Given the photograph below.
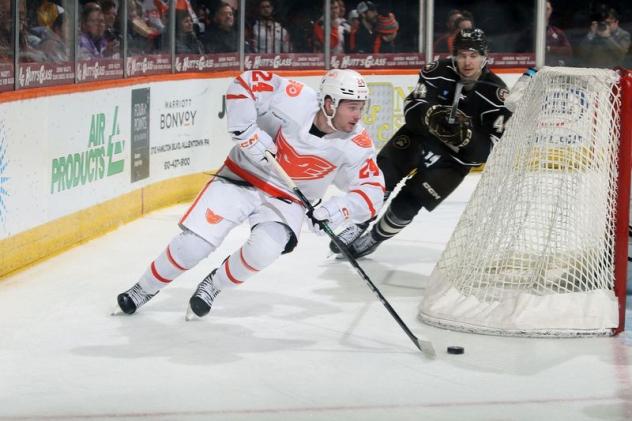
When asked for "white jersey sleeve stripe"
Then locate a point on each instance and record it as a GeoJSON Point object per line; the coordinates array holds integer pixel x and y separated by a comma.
{"type": "Point", "coordinates": [364, 196]}
{"type": "Point", "coordinates": [245, 86]}
{"type": "Point", "coordinates": [378, 185]}
{"type": "Point", "coordinates": [233, 96]}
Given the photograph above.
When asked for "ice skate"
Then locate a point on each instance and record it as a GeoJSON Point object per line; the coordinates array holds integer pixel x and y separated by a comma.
{"type": "Point", "coordinates": [348, 236]}
{"type": "Point", "coordinates": [130, 300]}
{"type": "Point", "coordinates": [202, 300]}
{"type": "Point", "coordinates": [364, 245]}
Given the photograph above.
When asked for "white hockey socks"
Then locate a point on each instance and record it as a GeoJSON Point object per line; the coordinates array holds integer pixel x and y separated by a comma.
{"type": "Point", "coordinates": [183, 252]}
{"type": "Point", "coordinates": [266, 243]}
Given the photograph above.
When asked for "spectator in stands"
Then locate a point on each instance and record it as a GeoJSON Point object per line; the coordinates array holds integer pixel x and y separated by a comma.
{"type": "Point", "coordinates": [92, 42]}
{"type": "Point", "coordinates": [28, 52]}
{"type": "Point", "coordinates": [300, 25]}
{"type": "Point", "coordinates": [457, 20]}
{"type": "Point", "coordinates": [185, 5]}
{"type": "Point", "coordinates": [442, 41]}
{"type": "Point", "coordinates": [558, 48]}
{"type": "Point", "coordinates": [46, 13]}
{"type": "Point", "coordinates": [186, 40]}
{"type": "Point", "coordinates": [336, 40]}
{"type": "Point", "coordinates": [222, 36]}
{"type": "Point", "coordinates": [268, 35]}
{"type": "Point", "coordinates": [365, 37]}
{"type": "Point", "coordinates": [342, 11]}
{"type": "Point", "coordinates": [112, 33]}
{"type": "Point", "coordinates": [606, 44]}
{"type": "Point", "coordinates": [342, 20]}
{"type": "Point", "coordinates": [453, 16]}
{"type": "Point", "coordinates": [386, 29]}
{"type": "Point", "coordinates": [54, 40]}
{"type": "Point", "coordinates": [204, 17]}
{"type": "Point", "coordinates": [140, 36]}
{"type": "Point", "coordinates": [351, 35]}
{"type": "Point", "coordinates": [155, 13]}
{"type": "Point", "coordinates": [465, 22]}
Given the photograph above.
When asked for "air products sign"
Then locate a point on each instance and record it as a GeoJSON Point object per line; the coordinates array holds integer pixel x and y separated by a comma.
{"type": "Point", "coordinates": [102, 156]}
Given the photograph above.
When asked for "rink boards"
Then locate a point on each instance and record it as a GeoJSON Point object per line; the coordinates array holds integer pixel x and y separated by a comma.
{"type": "Point", "coordinates": [76, 164]}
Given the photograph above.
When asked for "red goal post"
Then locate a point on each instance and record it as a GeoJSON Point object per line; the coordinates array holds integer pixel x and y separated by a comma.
{"type": "Point", "coordinates": [623, 202]}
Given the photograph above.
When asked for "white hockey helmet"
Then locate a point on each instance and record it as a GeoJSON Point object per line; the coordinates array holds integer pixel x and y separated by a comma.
{"type": "Point", "coordinates": [339, 84]}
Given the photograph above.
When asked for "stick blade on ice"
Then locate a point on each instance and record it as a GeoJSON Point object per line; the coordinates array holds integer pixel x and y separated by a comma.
{"type": "Point", "coordinates": [426, 347]}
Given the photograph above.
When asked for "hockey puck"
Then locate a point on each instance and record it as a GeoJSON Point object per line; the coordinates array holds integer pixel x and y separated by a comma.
{"type": "Point", "coordinates": [456, 350]}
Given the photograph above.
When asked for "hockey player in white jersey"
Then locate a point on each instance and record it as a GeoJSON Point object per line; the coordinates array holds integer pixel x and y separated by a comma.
{"type": "Point", "coordinates": [317, 139]}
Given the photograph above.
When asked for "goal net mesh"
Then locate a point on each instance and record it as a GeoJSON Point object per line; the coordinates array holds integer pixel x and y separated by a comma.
{"type": "Point", "coordinates": [533, 252]}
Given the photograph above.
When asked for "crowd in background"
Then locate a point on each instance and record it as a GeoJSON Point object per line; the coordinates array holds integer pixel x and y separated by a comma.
{"type": "Point", "coordinates": [593, 35]}
{"type": "Point", "coordinates": [587, 34]}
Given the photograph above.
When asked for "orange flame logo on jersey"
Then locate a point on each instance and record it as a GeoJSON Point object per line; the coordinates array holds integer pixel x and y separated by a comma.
{"type": "Point", "coordinates": [293, 88]}
{"type": "Point", "coordinates": [300, 167]}
{"type": "Point", "coordinates": [363, 139]}
{"type": "Point", "coordinates": [213, 218]}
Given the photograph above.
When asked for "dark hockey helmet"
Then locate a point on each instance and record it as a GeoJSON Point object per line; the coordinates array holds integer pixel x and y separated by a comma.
{"type": "Point", "coordinates": [470, 39]}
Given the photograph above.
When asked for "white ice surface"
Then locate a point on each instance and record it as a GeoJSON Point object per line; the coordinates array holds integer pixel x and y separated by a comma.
{"type": "Point", "coordinates": [303, 340]}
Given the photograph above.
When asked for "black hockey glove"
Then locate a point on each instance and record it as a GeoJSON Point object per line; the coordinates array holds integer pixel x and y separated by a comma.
{"type": "Point", "coordinates": [455, 135]}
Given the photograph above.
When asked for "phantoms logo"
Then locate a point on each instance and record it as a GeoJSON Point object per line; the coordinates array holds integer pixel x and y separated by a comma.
{"type": "Point", "coordinates": [103, 156]}
{"type": "Point", "coordinates": [3, 170]}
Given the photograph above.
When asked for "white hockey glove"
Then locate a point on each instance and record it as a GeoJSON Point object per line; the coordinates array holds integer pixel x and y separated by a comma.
{"type": "Point", "coordinates": [256, 145]}
{"type": "Point", "coordinates": [332, 211]}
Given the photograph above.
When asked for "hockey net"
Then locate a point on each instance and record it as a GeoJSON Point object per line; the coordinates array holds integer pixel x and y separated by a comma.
{"type": "Point", "coordinates": [541, 248]}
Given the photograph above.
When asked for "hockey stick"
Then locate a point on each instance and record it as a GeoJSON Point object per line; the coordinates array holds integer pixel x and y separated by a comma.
{"type": "Point", "coordinates": [457, 95]}
{"type": "Point", "coordinates": [423, 345]}
{"type": "Point", "coordinates": [455, 103]}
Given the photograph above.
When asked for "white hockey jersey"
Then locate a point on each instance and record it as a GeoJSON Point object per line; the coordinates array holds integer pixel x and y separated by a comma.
{"type": "Point", "coordinates": [285, 110]}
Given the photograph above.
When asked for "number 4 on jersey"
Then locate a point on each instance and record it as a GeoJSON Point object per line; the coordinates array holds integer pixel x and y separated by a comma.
{"type": "Point", "coordinates": [369, 169]}
{"type": "Point", "coordinates": [499, 124]}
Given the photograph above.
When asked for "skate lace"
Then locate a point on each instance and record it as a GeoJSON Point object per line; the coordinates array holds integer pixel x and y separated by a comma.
{"type": "Point", "coordinates": [349, 234]}
{"type": "Point", "coordinates": [207, 291]}
{"type": "Point", "coordinates": [138, 295]}
{"type": "Point", "coordinates": [363, 243]}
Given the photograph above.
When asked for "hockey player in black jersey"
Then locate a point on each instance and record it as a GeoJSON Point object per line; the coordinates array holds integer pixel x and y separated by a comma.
{"type": "Point", "coordinates": [453, 118]}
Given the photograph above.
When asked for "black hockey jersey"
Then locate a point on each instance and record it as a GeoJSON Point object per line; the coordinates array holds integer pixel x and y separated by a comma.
{"type": "Point", "coordinates": [483, 101]}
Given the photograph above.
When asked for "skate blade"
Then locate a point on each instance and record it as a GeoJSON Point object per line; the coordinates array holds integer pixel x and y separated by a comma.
{"type": "Point", "coordinates": [117, 312]}
{"type": "Point", "coordinates": [191, 315]}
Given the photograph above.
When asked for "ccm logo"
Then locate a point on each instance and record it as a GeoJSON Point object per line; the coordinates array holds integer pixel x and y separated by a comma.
{"type": "Point", "coordinates": [430, 190]}
{"type": "Point", "coordinates": [249, 142]}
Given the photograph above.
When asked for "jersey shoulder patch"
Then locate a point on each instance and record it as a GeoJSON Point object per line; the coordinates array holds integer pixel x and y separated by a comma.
{"type": "Point", "coordinates": [293, 88]}
{"type": "Point", "coordinates": [502, 93]}
{"type": "Point", "coordinates": [430, 67]}
{"type": "Point", "coordinates": [438, 68]}
{"type": "Point", "coordinates": [363, 139]}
